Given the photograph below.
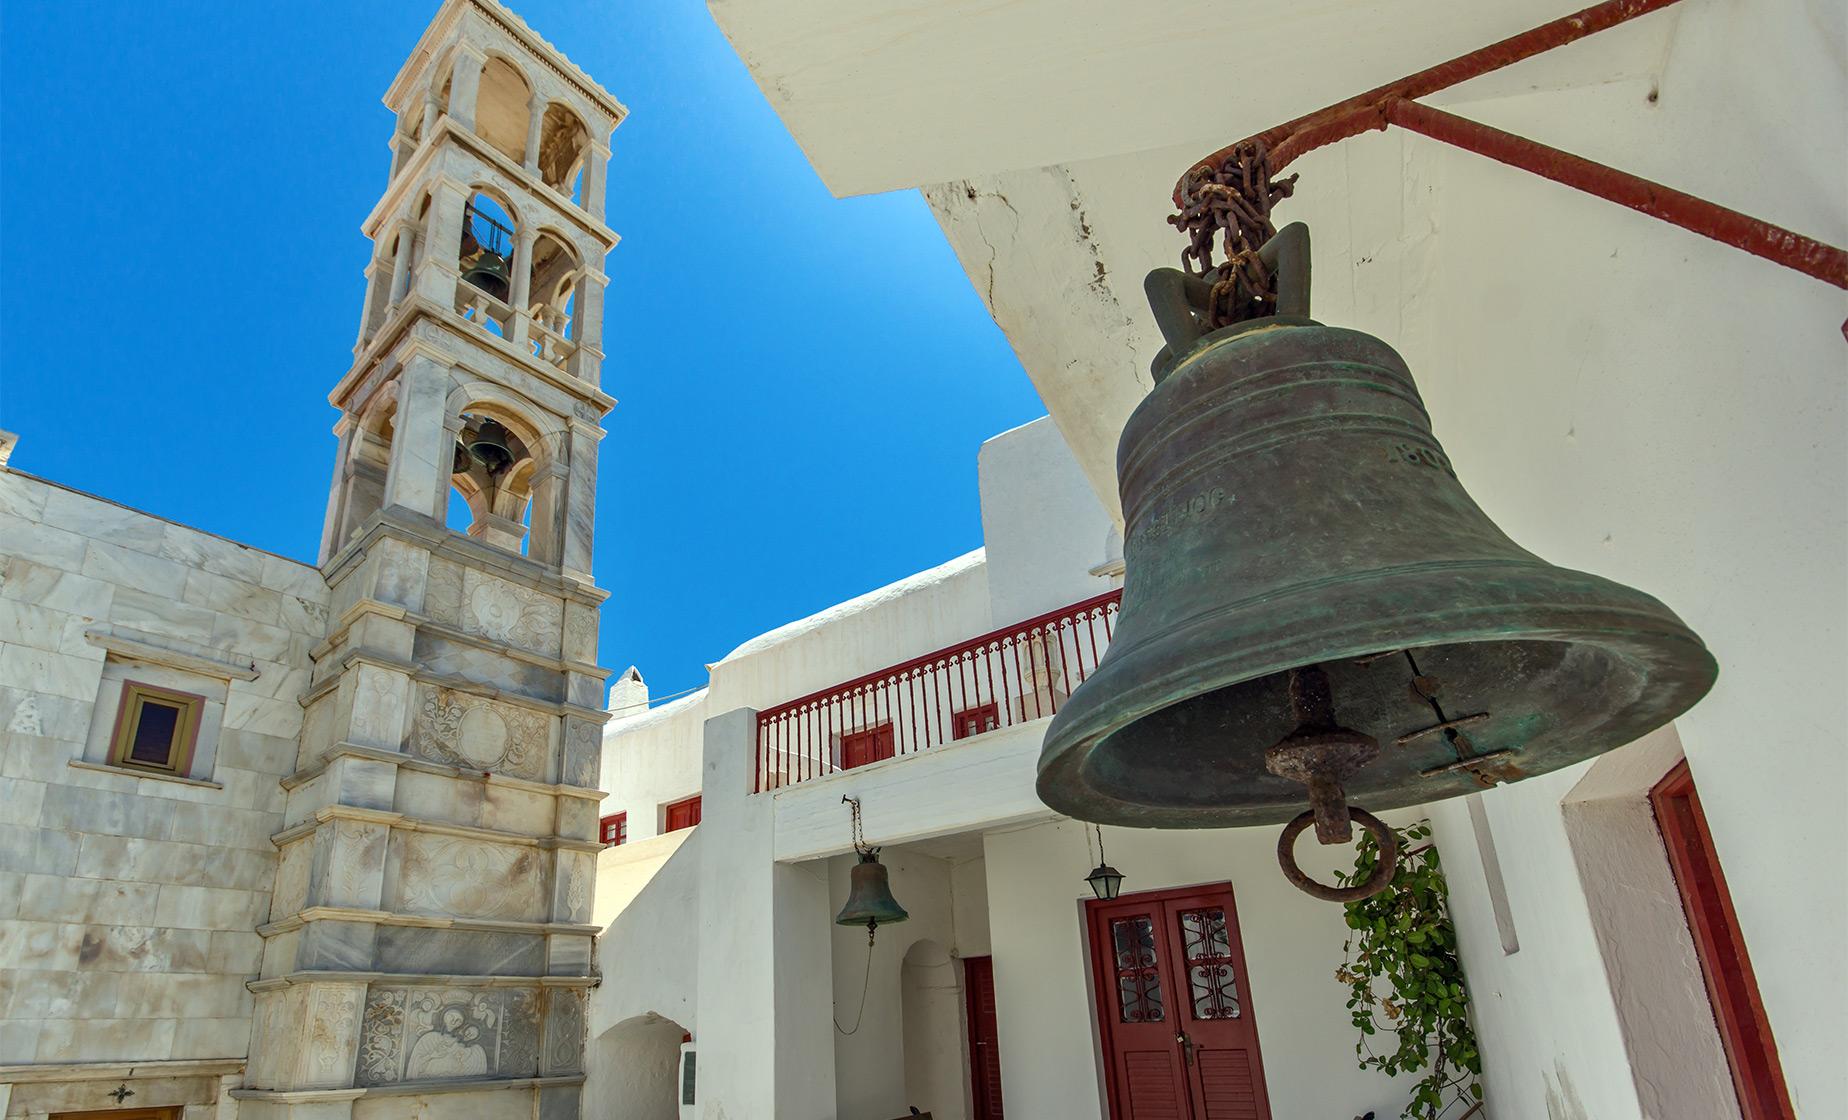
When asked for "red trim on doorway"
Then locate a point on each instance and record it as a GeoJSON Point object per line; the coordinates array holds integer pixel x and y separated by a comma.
{"type": "Point", "coordinates": [984, 1037]}
{"type": "Point", "coordinates": [1224, 1080]}
{"type": "Point", "coordinates": [1738, 1011]}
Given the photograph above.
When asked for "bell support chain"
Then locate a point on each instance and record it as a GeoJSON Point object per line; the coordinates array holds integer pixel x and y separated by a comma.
{"type": "Point", "coordinates": [1395, 104]}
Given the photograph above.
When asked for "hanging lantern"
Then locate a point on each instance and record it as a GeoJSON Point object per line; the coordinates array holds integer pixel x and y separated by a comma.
{"type": "Point", "coordinates": [1298, 548]}
{"type": "Point", "coordinates": [1105, 880]}
{"type": "Point", "coordinates": [869, 894]}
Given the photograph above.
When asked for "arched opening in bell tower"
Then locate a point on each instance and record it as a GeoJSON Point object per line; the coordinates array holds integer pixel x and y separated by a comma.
{"type": "Point", "coordinates": [552, 297]}
{"type": "Point", "coordinates": [503, 108]}
{"type": "Point", "coordinates": [505, 488]}
{"type": "Point", "coordinates": [563, 143]}
{"type": "Point", "coordinates": [485, 259]}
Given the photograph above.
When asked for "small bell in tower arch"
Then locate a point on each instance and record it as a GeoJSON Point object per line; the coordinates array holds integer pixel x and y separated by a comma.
{"type": "Point", "coordinates": [491, 273]}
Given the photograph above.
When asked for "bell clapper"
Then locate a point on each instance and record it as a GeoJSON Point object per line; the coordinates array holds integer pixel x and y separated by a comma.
{"type": "Point", "coordinates": [1322, 754]}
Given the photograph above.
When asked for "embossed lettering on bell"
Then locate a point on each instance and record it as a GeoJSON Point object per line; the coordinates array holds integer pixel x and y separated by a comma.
{"type": "Point", "coordinates": [1286, 505]}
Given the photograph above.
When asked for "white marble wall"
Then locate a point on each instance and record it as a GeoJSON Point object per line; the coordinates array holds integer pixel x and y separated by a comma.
{"type": "Point", "coordinates": [129, 903]}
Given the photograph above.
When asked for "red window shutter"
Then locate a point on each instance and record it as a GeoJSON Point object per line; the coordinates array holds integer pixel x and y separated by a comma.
{"type": "Point", "coordinates": [613, 829]}
{"type": "Point", "coordinates": [1745, 1031]}
{"type": "Point", "coordinates": [683, 814]}
{"type": "Point", "coordinates": [975, 721]}
{"type": "Point", "coordinates": [859, 748]}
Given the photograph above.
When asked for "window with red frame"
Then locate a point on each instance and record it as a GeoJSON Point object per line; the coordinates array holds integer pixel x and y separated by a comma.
{"type": "Point", "coordinates": [973, 721]}
{"type": "Point", "coordinates": [1738, 1011]}
{"type": "Point", "coordinates": [859, 748]}
{"type": "Point", "coordinates": [682, 814]}
{"type": "Point", "coordinates": [614, 829]}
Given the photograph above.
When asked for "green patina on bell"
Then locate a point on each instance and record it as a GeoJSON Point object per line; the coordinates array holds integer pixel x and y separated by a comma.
{"type": "Point", "coordinates": [869, 896]}
{"type": "Point", "coordinates": [1286, 506]}
{"type": "Point", "coordinates": [491, 273]}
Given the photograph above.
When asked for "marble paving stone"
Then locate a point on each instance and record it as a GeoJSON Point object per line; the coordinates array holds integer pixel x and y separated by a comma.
{"type": "Point", "coordinates": [21, 580]}
{"type": "Point", "coordinates": [301, 580]}
{"type": "Point", "coordinates": [53, 673]}
{"type": "Point", "coordinates": [197, 550]}
{"type": "Point", "coordinates": [88, 517]}
{"type": "Point", "coordinates": [59, 898]}
{"type": "Point", "coordinates": [134, 570]}
{"type": "Point", "coordinates": [74, 809]}
{"type": "Point", "coordinates": [73, 1040]}
{"type": "Point", "coordinates": [42, 544]}
{"type": "Point", "coordinates": [41, 850]}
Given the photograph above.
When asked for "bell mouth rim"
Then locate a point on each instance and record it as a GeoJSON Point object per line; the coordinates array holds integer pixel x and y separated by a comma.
{"type": "Point", "coordinates": [1656, 638]}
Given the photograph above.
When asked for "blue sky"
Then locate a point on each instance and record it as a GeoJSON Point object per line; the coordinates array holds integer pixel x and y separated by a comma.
{"type": "Point", "coordinates": [804, 381]}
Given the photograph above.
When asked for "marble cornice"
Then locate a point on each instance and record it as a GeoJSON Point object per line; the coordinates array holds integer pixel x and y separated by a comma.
{"type": "Point", "coordinates": [410, 762]}
{"type": "Point", "coordinates": [307, 1096]}
{"type": "Point", "coordinates": [402, 822]}
{"type": "Point", "coordinates": [423, 921]}
{"type": "Point", "coordinates": [414, 308]}
{"type": "Point", "coordinates": [119, 1071]}
{"type": "Point", "coordinates": [416, 979]}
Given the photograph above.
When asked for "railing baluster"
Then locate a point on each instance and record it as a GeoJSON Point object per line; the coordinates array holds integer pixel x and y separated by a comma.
{"type": "Point", "coordinates": [796, 740]}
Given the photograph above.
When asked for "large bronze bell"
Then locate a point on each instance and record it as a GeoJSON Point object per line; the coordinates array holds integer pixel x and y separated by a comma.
{"type": "Point", "coordinates": [1313, 603]}
{"type": "Point", "coordinates": [491, 273]}
{"type": "Point", "coordinates": [869, 896]}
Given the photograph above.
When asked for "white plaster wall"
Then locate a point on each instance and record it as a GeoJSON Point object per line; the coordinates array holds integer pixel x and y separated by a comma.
{"type": "Point", "coordinates": [1048, 1026]}
{"type": "Point", "coordinates": [875, 1072]}
{"type": "Point", "coordinates": [1042, 525]}
{"type": "Point", "coordinates": [648, 901]}
{"type": "Point", "coordinates": [1622, 397]}
{"type": "Point", "coordinates": [129, 904]}
{"type": "Point", "coordinates": [651, 760]}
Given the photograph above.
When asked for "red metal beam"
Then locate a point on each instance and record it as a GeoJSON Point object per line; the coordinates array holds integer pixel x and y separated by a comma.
{"type": "Point", "coordinates": [1762, 239]}
{"type": "Point", "coordinates": [1393, 104]}
{"type": "Point", "coordinates": [1365, 111]}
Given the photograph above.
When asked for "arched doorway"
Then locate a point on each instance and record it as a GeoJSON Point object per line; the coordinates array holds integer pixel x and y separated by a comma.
{"type": "Point", "coordinates": [936, 1049]}
{"type": "Point", "coordinates": [635, 1064]}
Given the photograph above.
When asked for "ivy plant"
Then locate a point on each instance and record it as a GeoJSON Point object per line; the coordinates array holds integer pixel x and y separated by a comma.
{"type": "Point", "coordinates": [1405, 980]}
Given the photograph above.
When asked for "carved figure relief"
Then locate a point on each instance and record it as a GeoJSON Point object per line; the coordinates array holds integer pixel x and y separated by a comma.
{"type": "Point", "coordinates": [438, 1034]}
{"type": "Point", "coordinates": [476, 733]}
{"type": "Point", "coordinates": [506, 612]}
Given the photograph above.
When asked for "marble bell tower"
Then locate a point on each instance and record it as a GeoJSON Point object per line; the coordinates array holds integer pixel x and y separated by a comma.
{"type": "Point", "coordinates": [429, 947]}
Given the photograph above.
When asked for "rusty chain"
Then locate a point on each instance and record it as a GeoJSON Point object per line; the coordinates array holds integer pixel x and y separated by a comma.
{"type": "Point", "coordinates": [1232, 203]}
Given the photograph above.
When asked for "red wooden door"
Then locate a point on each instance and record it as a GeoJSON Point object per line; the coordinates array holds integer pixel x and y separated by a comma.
{"type": "Point", "coordinates": [861, 747]}
{"type": "Point", "coordinates": [984, 1041]}
{"type": "Point", "coordinates": [1180, 1042]}
{"type": "Point", "coordinates": [1738, 1011]}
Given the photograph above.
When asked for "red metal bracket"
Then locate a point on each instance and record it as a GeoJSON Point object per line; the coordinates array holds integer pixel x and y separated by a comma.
{"type": "Point", "coordinates": [1394, 104]}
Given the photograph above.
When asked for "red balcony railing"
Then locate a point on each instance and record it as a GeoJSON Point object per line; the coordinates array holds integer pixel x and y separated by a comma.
{"type": "Point", "coordinates": [1007, 676]}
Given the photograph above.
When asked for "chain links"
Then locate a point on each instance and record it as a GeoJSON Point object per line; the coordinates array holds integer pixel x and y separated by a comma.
{"type": "Point", "coordinates": [1232, 203]}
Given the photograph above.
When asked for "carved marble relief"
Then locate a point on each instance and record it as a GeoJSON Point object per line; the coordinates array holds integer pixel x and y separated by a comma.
{"type": "Point", "coordinates": [442, 1034]}
{"type": "Point", "coordinates": [508, 613]}
{"type": "Point", "coordinates": [329, 1033]}
{"type": "Point", "coordinates": [564, 1049]}
{"type": "Point", "coordinates": [583, 753]}
{"type": "Point", "coordinates": [475, 733]}
{"type": "Point", "coordinates": [451, 876]}
{"type": "Point", "coordinates": [443, 591]}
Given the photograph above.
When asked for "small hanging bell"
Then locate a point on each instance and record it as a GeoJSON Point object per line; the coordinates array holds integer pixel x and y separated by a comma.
{"type": "Point", "coordinates": [489, 445]}
{"type": "Point", "coordinates": [869, 896]}
{"type": "Point", "coordinates": [491, 273]}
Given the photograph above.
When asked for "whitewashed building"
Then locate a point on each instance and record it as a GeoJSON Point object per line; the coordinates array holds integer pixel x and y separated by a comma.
{"type": "Point", "coordinates": [1621, 395]}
